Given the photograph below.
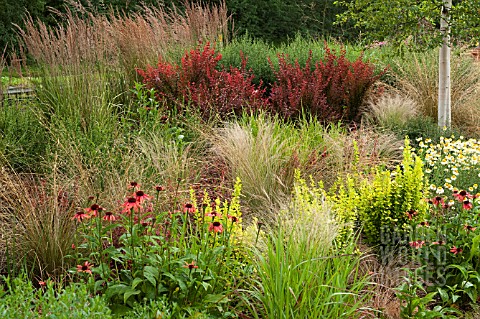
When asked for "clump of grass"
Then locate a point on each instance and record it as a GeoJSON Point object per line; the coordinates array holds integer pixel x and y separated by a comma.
{"type": "Point", "coordinates": [265, 152]}
{"type": "Point", "coordinates": [36, 215]}
{"type": "Point", "coordinates": [259, 157]}
{"type": "Point", "coordinates": [417, 75]}
{"type": "Point", "coordinates": [391, 110]}
{"type": "Point", "coordinates": [301, 274]}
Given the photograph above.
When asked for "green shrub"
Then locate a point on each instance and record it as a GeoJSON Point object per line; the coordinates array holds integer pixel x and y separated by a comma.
{"type": "Point", "coordinates": [20, 299]}
{"type": "Point", "coordinates": [420, 127]}
{"type": "Point", "coordinates": [386, 202]}
{"type": "Point", "coordinates": [258, 52]}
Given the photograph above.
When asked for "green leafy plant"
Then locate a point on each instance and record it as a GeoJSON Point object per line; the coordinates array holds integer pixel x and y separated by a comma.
{"type": "Point", "coordinates": [385, 201]}
{"type": "Point", "coordinates": [445, 242]}
{"type": "Point", "coordinates": [417, 302]}
{"type": "Point", "coordinates": [20, 299]}
{"type": "Point", "coordinates": [186, 258]}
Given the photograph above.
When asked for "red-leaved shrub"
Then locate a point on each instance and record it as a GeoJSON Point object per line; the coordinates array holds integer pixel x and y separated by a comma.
{"type": "Point", "coordinates": [332, 91]}
{"type": "Point", "coordinates": [198, 82]}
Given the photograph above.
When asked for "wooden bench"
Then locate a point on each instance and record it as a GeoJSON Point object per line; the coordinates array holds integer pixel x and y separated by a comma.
{"type": "Point", "coordinates": [16, 92]}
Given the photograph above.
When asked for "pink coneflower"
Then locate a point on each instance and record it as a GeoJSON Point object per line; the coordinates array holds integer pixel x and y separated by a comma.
{"type": "Point", "coordinates": [190, 265]}
{"type": "Point", "coordinates": [188, 208]}
{"type": "Point", "coordinates": [214, 215]}
{"type": "Point", "coordinates": [462, 195]}
{"type": "Point", "coordinates": [216, 227]}
{"type": "Point", "coordinates": [440, 242]}
{"type": "Point", "coordinates": [134, 185]}
{"type": "Point", "coordinates": [131, 203]}
{"type": "Point", "coordinates": [467, 205]}
{"type": "Point", "coordinates": [93, 210]}
{"type": "Point", "coordinates": [85, 267]}
{"type": "Point", "coordinates": [80, 216]}
{"type": "Point", "coordinates": [469, 228]}
{"type": "Point", "coordinates": [234, 219]}
{"type": "Point", "coordinates": [417, 244]}
{"type": "Point", "coordinates": [455, 250]}
{"type": "Point", "coordinates": [438, 200]}
{"type": "Point", "coordinates": [411, 213]}
{"type": "Point", "coordinates": [140, 196]}
{"type": "Point", "coordinates": [109, 216]}
{"type": "Point", "coordinates": [424, 224]}
{"type": "Point", "coordinates": [159, 188]}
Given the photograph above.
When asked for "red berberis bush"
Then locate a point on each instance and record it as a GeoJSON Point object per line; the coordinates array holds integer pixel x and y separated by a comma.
{"type": "Point", "coordinates": [333, 90]}
{"type": "Point", "coordinates": [209, 90]}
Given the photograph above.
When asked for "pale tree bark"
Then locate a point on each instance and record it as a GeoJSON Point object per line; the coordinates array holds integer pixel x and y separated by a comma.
{"type": "Point", "coordinates": [444, 94]}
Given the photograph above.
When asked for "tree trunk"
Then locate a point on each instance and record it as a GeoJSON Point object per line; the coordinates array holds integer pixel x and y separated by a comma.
{"type": "Point", "coordinates": [444, 95]}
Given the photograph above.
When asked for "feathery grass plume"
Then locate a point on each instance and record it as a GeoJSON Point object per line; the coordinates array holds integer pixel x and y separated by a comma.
{"type": "Point", "coordinates": [417, 75]}
{"type": "Point", "coordinates": [258, 155]}
{"type": "Point", "coordinates": [154, 32]}
{"type": "Point", "coordinates": [391, 110]}
{"type": "Point", "coordinates": [361, 150]}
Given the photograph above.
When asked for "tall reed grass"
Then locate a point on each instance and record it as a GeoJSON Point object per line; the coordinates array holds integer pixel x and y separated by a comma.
{"type": "Point", "coordinates": [124, 41]}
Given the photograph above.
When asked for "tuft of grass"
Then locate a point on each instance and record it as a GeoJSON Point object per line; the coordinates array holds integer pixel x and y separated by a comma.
{"type": "Point", "coordinates": [417, 76]}
{"type": "Point", "coordinates": [264, 152]}
{"type": "Point", "coordinates": [301, 274]}
{"type": "Point", "coordinates": [36, 215]}
{"type": "Point", "coordinates": [391, 110]}
{"type": "Point", "coordinates": [259, 157]}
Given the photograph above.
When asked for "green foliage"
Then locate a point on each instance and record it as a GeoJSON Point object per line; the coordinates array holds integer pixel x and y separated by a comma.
{"type": "Point", "coordinates": [184, 259]}
{"type": "Point", "coordinates": [446, 244]}
{"type": "Point", "coordinates": [384, 202]}
{"type": "Point", "coordinates": [419, 127]}
{"type": "Point", "coordinates": [345, 198]}
{"type": "Point", "coordinates": [412, 23]}
{"type": "Point", "coordinates": [13, 12]}
{"type": "Point", "coordinates": [417, 301]}
{"type": "Point", "coordinates": [258, 51]}
{"type": "Point", "coordinates": [275, 21]}
{"type": "Point", "coordinates": [20, 299]}
{"type": "Point", "coordinates": [23, 140]}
